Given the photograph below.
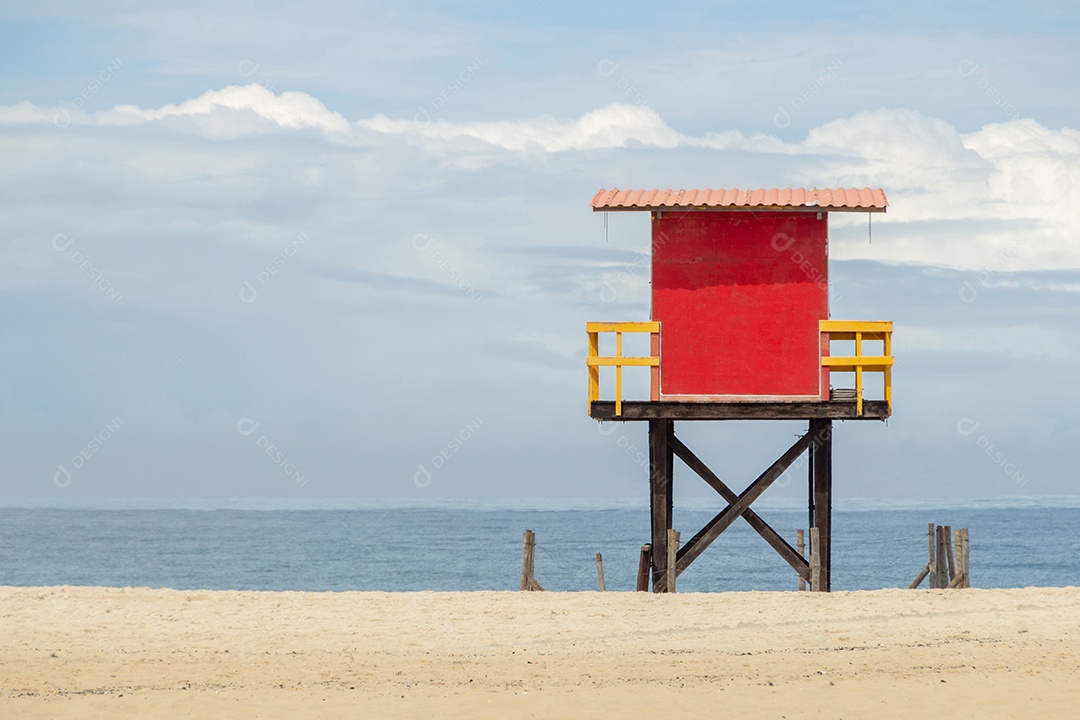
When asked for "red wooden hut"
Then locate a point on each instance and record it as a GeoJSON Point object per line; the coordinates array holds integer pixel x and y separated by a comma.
{"type": "Point", "coordinates": [740, 330]}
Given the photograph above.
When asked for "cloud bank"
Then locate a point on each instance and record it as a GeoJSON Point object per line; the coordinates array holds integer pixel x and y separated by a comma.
{"type": "Point", "coordinates": [997, 199]}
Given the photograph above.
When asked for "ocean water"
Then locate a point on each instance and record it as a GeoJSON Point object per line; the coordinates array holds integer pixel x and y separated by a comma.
{"type": "Point", "coordinates": [399, 548]}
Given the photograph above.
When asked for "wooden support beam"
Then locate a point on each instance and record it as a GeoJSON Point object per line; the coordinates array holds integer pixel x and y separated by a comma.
{"type": "Point", "coordinates": [692, 461]}
{"type": "Point", "coordinates": [820, 434]}
{"type": "Point", "coordinates": [697, 544]}
{"type": "Point", "coordinates": [600, 571]}
{"type": "Point", "coordinates": [810, 487]}
{"type": "Point", "coordinates": [660, 500]}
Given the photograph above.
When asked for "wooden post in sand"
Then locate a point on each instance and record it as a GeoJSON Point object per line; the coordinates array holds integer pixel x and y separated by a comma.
{"type": "Point", "coordinates": [950, 556]}
{"type": "Point", "coordinates": [932, 564]}
{"type": "Point", "coordinates": [928, 569]}
{"type": "Point", "coordinates": [800, 546]}
{"type": "Point", "coordinates": [817, 576]}
{"type": "Point", "coordinates": [949, 562]}
{"type": "Point", "coordinates": [965, 556]}
{"type": "Point", "coordinates": [644, 564]}
{"type": "Point", "coordinates": [961, 578]}
{"type": "Point", "coordinates": [942, 560]}
{"type": "Point", "coordinates": [919, 578]}
{"type": "Point", "coordinates": [672, 554]}
{"type": "Point", "coordinates": [600, 570]}
{"type": "Point", "coordinates": [967, 559]}
{"type": "Point", "coordinates": [935, 571]}
{"type": "Point", "coordinates": [528, 561]}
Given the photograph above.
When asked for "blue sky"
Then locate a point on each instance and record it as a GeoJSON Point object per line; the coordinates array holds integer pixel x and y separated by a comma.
{"type": "Point", "coordinates": [362, 234]}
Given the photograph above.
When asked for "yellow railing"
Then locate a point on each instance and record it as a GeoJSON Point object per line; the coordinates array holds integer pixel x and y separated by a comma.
{"type": "Point", "coordinates": [595, 360]}
{"type": "Point", "coordinates": [861, 331]}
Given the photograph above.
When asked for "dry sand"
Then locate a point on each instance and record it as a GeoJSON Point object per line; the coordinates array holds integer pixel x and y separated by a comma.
{"type": "Point", "coordinates": [117, 653]}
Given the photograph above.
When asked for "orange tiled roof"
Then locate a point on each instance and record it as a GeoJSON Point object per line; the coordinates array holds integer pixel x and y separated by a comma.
{"type": "Point", "coordinates": [831, 199]}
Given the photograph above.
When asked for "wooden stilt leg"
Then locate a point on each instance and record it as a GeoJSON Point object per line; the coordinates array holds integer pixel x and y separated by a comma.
{"type": "Point", "coordinates": [661, 463]}
{"type": "Point", "coordinates": [810, 486]}
{"type": "Point", "coordinates": [821, 431]}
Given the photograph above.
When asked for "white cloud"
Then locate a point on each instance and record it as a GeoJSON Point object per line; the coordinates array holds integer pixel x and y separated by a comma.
{"type": "Point", "coordinates": [289, 109]}
{"type": "Point", "coordinates": [999, 199]}
{"type": "Point", "coordinates": [617, 125]}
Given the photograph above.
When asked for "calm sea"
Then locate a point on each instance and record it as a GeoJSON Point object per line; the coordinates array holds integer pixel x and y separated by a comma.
{"type": "Point", "coordinates": [458, 548]}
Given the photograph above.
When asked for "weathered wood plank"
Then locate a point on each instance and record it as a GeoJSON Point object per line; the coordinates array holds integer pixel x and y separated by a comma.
{"type": "Point", "coordinates": [600, 571]}
{"type": "Point", "coordinates": [692, 461]}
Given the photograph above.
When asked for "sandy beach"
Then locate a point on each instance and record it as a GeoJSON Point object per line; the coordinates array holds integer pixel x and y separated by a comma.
{"type": "Point", "coordinates": [73, 652]}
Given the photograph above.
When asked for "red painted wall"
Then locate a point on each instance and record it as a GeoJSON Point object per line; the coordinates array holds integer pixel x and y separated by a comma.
{"type": "Point", "coordinates": [739, 296]}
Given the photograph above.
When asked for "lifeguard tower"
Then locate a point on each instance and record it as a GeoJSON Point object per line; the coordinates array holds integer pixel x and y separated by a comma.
{"type": "Point", "coordinates": [740, 330]}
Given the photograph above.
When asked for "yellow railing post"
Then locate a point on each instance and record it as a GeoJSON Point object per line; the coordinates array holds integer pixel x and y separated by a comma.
{"type": "Point", "coordinates": [618, 374]}
{"type": "Point", "coordinates": [858, 330]}
{"type": "Point", "coordinates": [618, 361]}
{"type": "Point", "coordinates": [654, 371]}
{"type": "Point", "coordinates": [888, 371]}
{"type": "Point", "coordinates": [594, 370]}
{"type": "Point", "coordinates": [858, 372]}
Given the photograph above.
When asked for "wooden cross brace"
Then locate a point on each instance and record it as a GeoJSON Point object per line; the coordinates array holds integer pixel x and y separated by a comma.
{"type": "Point", "coordinates": [739, 504]}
